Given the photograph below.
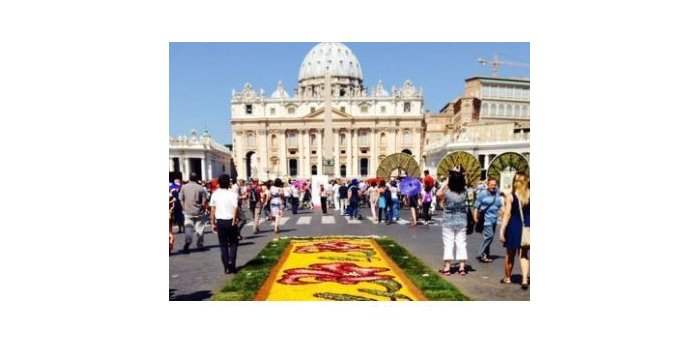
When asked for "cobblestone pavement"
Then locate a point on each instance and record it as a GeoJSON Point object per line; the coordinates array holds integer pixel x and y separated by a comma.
{"type": "Point", "coordinates": [199, 274]}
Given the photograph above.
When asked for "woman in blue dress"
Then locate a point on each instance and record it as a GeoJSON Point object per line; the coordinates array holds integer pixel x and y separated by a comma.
{"type": "Point", "coordinates": [516, 216]}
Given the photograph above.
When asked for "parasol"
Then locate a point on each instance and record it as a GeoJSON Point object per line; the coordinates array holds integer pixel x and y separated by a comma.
{"type": "Point", "coordinates": [409, 186]}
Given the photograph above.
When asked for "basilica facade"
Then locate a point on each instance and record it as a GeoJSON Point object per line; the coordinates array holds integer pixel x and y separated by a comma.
{"type": "Point", "coordinates": [283, 134]}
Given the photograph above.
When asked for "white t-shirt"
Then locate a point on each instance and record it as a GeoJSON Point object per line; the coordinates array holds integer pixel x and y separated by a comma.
{"type": "Point", "coordinates": [224, 201]}
{"type": "Point", "coordinates": [394, 192]}
{"type": "Point", "coordinates": [335, 190]}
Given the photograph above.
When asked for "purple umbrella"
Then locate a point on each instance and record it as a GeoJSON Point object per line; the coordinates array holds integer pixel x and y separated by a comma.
{"type": "Point", "coordinates": [299, 184]}
{"type": "Point", "coordinates": [409, 186]}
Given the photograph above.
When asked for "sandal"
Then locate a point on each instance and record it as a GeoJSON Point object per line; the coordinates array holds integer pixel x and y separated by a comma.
{"type": "Point", "coordinates": [462, 272]}
{"type": "Point", "coordinates": [505, 280]}
{"type": "Point", "coordinates": [445, 272]}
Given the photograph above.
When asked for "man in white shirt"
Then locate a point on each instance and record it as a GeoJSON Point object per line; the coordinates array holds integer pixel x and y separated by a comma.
{"type": "Point", "coordinates": [336, 196]}
{"type": "Point", "coordinates": [224, 220]}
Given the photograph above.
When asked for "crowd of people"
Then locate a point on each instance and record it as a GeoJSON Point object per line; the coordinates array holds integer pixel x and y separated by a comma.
{"type": "Point", "coordinates": [223, 203]}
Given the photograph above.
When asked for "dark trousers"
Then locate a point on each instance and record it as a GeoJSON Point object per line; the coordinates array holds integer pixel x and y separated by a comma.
{"type": "Point", "coordinates": [354, 204]}
{"type": "Point", "coordinates": [324, 205]}
{"type": "Point", "coordinates": [228, 242]}
{"type": "Point", "coordinates": [295, 204]}
{"type": "Point", "coordinates": [426, 211]}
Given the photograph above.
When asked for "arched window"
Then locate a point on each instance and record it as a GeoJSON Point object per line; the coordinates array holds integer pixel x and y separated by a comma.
{"type": "Point", "coordinates": [342, 139]}
{"type": "Point", "coordinates": [343, 171]}
{"type": "Point", "coordinates": [407, 107]}
{"type": "Point", "coordinates": [291, 139]}
{"type": "Point", "coordinates": [273, 141]}
{"type": "Point", "coordinates": [314, 170]}
{"type": "Point", "coordinates": [313, 139]}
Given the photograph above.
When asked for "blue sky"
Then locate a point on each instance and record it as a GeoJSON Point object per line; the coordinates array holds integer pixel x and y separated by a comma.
{"type": "Point", "coordinates": [202, 75]}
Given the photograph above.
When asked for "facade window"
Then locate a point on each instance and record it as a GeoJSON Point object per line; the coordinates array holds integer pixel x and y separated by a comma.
{"type": "Point", "coordinates": [223, 168]}
{"type": "Point", "coordinates": [293, 171]}
{"type": "Point", "coordinates": [485, 109]}
{"type": "Point", "coordinates": [517, 111]}
{"type": "Point", "coordinates": [383, 109]}
{"type": "Point", "coordinates": [314, 170]}
{"type": "Point", "coordinates": [363, 109]}
{"type": "Point", "coordinates": [363, 138]}
{"type": "Point", "coordinates": [291, 110]}
{"type": "Point", "coordinates": [272, 111]}
{"type": "Point", "coordinates": [407, 107]}
{"type": "Point", "coordinates": [342, 109]}
{"type": "Point", "coordinates": [382, 140]}
{"type": "Point", "coordinates": [292, 139]}
{"type": "Point", "coordinates": [526, 111]}
{"type": "Point", "coordinates": [313, 139]}
{"type": "Point", "coordinates": [343, 171]}
{"type": "Point", "coordinates": [251, 139]}
{"type": "Point", "coordinates": [407, 137]}
{"type": "Point", "coordinates": [509, 110]}
{"type": "Point", "coordinates": [482, 161]}
{"type": "Point", "coordinates": [364, 167]}
{"type": "Point", "coordinates": [342, 139]}
{"type": "Point", "coordinates": [500, 109]}
{"type": "Point", "coordinates": [273, 141]}
{"type": "Point", "coordinates": [248, 109]}
{"type": "Point", "coordinates": [313, 109]}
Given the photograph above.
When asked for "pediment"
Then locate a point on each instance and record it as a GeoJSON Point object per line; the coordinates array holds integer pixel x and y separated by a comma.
{"type": "Point", "coordinates": [319, 114]}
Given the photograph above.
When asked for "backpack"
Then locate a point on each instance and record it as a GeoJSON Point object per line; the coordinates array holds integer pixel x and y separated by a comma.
{"type": "Point", "coordinates": [343, 191]}
{"type": "Point", "coordinates": [427, 196]}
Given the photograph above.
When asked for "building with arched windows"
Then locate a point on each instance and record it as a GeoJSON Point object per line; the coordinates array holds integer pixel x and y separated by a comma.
{"type": "Point", "coordinates": [282, 134]}
{"type": "Point", "coordinates": [490, 119]}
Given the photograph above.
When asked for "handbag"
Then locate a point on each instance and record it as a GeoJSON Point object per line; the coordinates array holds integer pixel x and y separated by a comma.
{"type": "Point", "coordinates": [482, 215]}
{"type": "Point", "coordinates": [525, 235]}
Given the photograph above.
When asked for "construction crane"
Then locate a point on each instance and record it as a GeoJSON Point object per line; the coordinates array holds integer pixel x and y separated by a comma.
{"type": "Point", "coordinates": [496, 64]}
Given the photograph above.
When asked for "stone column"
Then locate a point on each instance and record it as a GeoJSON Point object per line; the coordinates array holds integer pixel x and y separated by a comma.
{"type": "Point", "coordinates": [186, 168]}
{"type": "Point", "coordinates": [209, 168]}
{"type": "Point", "coordinates": [416, 145]}
{"type": "Point", "coordinates": [283, 154]}
{"type": "Point", "coordinates": [337, 152]}
{"type": "Point", "coordinates": [319, 153]}
{"type": "Point", "coordinates": [263, 158]}
{"type": "Point", "coordinates": [306, 164]}
{"type": "Point", "coordinates": [355, 153]}
{"type": "Point", "coordinates": [172, 164]}
{"type": "Point", "coordinates": [203, 175]}
{"type": "Point", "coordinates": [372, 153]}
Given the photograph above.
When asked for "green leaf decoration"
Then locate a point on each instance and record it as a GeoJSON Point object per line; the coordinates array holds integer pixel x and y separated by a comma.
{"type": "Point", "coordinates": [466, 160]}
{"type": "Point", "coordinates": [342, 297]}
{"type": "Point", "coordinates": [400, 161]}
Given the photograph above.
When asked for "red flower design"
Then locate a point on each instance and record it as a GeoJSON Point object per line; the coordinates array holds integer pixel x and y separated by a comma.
{"type": "Point", "coordinates": [344, 273]}
{"type": "Point", "coordinates": [334, 246]}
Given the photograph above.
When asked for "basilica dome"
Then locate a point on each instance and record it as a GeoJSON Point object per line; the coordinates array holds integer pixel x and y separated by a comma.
{"type": "Point", "coordinates": [338, 57]}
